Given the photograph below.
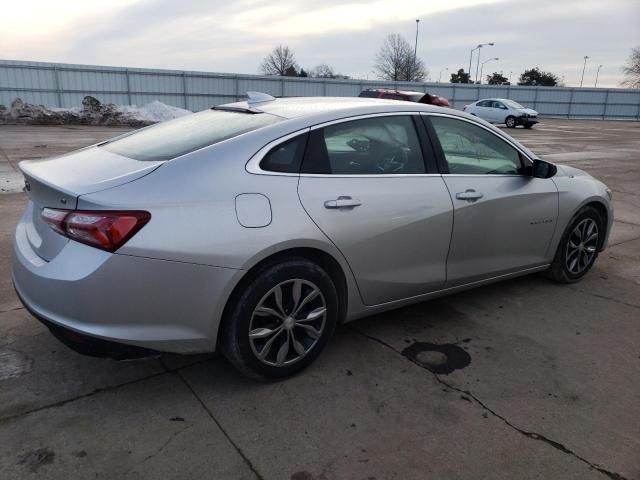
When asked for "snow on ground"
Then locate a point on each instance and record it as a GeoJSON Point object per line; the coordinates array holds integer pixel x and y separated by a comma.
{"type": "Point", "coordinates": [154, 112]}
{"type": "Point", "coordinates": [92, 112]}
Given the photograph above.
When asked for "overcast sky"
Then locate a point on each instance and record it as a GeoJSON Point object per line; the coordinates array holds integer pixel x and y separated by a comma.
{"type": "Point", "coordinates": [234, 35]}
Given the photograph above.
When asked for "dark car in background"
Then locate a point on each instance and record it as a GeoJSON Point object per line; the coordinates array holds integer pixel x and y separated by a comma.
{"type": "Point", "coordinates": [407, 96]}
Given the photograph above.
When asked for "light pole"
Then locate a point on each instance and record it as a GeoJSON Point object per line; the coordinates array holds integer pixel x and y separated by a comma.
{"type": "Point", "coordinates": [583, 67]}
{"type": "Point", "coordinates": [480, 45]}
{"type": "Point", "coordinates": [597, 73]}
{"type": "Point", "coordinates": [440, 76]}
{"type": "Point", "coordinates": [415, 47]}
{"type": "Point", "coordinates": [510, 77]}
{"type": "Point", "coordinates": [482, 69]}
{"type": "Point", "coordinates": [478, 62]}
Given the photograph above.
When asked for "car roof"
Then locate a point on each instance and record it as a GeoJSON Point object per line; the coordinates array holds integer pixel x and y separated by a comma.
{"type": "Point", "coordinates": [304, 112]}
{"type": "Point", "coordinates": [336, 107]}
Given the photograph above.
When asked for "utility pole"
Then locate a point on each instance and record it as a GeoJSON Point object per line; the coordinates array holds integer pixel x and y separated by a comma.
{"type": "Point", "coordinates": [440, 76]}
{"type": "Point", "coordinates": [583, 67]}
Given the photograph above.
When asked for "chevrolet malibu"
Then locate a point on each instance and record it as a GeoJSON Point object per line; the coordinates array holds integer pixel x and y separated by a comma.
{"type": "Point", "coordinates": [256, 227]}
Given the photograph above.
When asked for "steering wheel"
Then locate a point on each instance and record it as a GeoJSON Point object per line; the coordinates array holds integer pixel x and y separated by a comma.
{"type": "Point", "coordinates": [392, 160]}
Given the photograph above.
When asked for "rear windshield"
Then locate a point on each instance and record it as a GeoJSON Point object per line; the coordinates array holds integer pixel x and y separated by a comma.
{"type": "Point", "coordinates": [177, 137]}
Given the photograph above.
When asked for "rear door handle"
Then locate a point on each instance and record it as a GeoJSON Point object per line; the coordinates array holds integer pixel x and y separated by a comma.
{"type": "Point", "coordinates": [469, 194]}
{"type": "Point", "coordinates": [343, 202]}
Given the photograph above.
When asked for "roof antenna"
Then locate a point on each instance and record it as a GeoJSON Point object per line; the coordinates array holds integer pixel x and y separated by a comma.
{"type": "Point", "coordinates": [259, 97]}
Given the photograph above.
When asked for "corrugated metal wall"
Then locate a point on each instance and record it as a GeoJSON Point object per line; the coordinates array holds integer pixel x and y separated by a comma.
{"type": "Point", "coordinates": [64, 85]}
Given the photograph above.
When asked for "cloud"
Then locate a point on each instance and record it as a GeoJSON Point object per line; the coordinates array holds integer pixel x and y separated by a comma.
{"type": "Point", "coordinates": [214, 35]}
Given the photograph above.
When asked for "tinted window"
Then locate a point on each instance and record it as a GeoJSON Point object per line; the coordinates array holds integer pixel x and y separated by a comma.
{"type": "Point", "coordinates": [171, 139]}
{"type": "Point", "coordinates": [369, 93]}
{"type": "Point", "coordinates": [372, 146]}
{"type": "Point", "coordinates": [393, 96]}
{"type": "Point", "coordinates": [470, 149]}
{"type": "Point", "coordinates": [285, 157]}
{"type": "Point", "coordinates": [483, 103]}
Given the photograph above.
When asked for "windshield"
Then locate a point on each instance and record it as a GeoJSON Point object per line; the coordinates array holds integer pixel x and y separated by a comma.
{"type": "Point", "coordinates": [183, 135]}
{"type": "Point", "coordinates": [512, 104]}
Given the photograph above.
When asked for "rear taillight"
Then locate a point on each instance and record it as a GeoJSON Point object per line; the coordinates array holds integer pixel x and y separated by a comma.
{"type": "Point", "coordinates": [107, 230]}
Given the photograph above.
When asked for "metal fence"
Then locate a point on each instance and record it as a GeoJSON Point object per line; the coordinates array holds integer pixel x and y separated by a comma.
{"type": "Point", "coordinates": [65, 85]}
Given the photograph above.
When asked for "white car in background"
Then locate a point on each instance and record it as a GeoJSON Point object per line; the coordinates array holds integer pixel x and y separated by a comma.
{"type": "Point", "coordinates": [503, 110]}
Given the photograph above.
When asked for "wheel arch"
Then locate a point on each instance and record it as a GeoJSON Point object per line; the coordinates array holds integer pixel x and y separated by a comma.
{"type": "Point", "coordinates": [313, 254]}
{"type": "Point", "coordinates": [602, 209]}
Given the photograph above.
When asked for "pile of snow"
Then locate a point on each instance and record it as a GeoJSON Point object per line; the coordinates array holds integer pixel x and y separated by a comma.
{"type": "Point", "coordinates": [155, 112]}
{"type": "Point", "coordinates": [92, 112]}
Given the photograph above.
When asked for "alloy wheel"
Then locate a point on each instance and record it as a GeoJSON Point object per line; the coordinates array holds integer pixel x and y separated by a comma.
{"type": "Point", "coordinates": [287, 322]}
{"type": "Point", "coordinates": [581, 246]}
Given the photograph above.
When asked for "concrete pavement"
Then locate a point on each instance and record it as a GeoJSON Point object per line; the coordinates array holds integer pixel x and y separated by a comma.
{"type": "Point", "coordinates": [546, 382]}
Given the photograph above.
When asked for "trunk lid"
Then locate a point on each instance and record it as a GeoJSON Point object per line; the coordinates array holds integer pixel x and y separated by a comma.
{"type": "Point", "coordinates": [59, 181]}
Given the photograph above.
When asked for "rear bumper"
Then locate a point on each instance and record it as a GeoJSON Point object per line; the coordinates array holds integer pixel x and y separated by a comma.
{"type": "Point", "coordinates": [153, 304]}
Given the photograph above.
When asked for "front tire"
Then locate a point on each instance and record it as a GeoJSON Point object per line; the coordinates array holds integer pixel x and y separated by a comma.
{"type": "Point", "coordinates": [281, 321]}
{"type": "Point", "coordinates": [510, 121]}
{"type": "Point", "coordinates": [578, 248]}
{"type": "Point", "coordinates": [528, 125]}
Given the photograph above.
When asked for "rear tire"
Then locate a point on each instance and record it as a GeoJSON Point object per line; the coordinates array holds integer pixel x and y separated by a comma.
{"type": "Point", "coordinates": [510, 121]}
{"type": "Point", "coordinates": [578, 247]}
{"type": "Point", "coordinates": [281, 321]}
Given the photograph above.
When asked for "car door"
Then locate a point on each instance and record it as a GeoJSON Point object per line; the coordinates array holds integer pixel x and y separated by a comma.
{"type": "Point", "coordinates": [503, 217]}
{"type": "Point", "coordinates": [499, 111]}
{"type": "Point", "coordinates": [366, 184]}
{"type": "Point", "coordinates": [483, 110]}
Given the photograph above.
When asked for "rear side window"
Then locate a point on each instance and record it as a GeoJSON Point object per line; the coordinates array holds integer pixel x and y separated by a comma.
{"type": "Point", "coordinates": [483, 103]}
{"type": "Point", "coordinates": [285, 157]}
{"type": "Point", "coordinates": [183, 135]}
{"type": "Point", "coordinates": [385, 145]}
{"type": "Point", "coordinates": [369, 94]}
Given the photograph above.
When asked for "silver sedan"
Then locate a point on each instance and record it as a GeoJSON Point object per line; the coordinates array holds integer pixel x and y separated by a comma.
{"type": "Point", "coordinates": [256, 227]}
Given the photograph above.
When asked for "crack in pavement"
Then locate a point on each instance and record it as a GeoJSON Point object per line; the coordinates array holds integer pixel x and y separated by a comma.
{"type": "Point", "coordinates": [533, 435]}
{"type": "Point", "coordinates": [167, 442]}
{"type": "Point", "coordinates": [244, 457]}
{"type": "Point", "coordinates": [98, 390]}
{"type": "Point", "coordinates": [604, 297]}
{"type": "Point", "coordinates": [12, 309]}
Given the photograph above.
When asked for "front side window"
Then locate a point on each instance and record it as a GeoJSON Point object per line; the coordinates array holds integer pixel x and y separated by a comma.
{"type": "Point", "coordinates": [183, 135]}
{"type": "Point", "coordinates": [472, 150]}
{"type": "Point", "coordinates": [372, 146]}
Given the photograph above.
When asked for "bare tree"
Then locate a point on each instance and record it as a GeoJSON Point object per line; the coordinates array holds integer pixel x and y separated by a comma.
{"type": "Point", "coordinates": [632, 69]}
{"type": "Point", "coordinates": [326, 71]}
{"type": "Point", "coordinates": [323, 71]}
{"type": "Point", "coordinates": [280, 62]}
{"type": "Point", "coordinates": [395, 61]}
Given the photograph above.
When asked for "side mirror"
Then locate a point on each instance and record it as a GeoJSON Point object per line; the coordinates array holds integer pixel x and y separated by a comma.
{"type": "Point", "coordinates": [542, 169]}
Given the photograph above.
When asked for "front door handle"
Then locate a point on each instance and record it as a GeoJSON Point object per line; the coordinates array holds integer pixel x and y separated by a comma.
{"type": "Point", "coordinates": [469, 194]}
{"type": "Point", "coordinates": [342, 202]}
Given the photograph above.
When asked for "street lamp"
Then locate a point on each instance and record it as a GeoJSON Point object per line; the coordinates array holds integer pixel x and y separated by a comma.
{"type": "Point", "coordinates": [478, 59]}
{"type": "Point", "coordinates": [482, 69]}
{"type": "Point", "coordinates": [415, 48]}
{"type": "Point", "coordinates": [597, 73]}
{"type": "Point", "coordinates": [510, 77]}
{"type": "Point", "coordinates": [471, 57]}
{"type": "Point", "coordinates": [583, 67]}
{"type": "Point", "coordinates": [440, 76]}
